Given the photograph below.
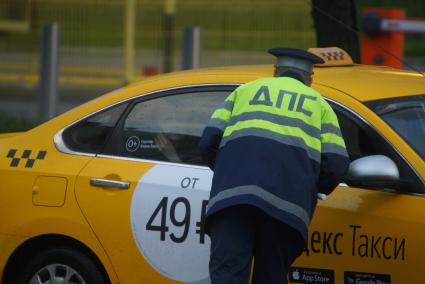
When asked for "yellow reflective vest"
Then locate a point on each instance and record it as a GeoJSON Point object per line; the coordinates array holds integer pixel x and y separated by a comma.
{"type": "Point", "coordinates": [274, 144]}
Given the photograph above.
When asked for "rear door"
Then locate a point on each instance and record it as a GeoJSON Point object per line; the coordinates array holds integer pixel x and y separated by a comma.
{"type": "Point", "coordinates": [145, 196]}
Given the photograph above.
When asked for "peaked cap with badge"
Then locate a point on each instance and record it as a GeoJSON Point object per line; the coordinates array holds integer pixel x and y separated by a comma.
{"type": "Point", "coordinates": [295, 58]}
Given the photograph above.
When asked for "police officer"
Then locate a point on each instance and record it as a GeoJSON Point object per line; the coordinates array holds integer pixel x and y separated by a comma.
{"type": "Point", "coordinates": [274, 145]}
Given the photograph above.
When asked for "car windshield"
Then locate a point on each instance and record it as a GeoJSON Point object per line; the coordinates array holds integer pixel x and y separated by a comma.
{"type": "Point", "coordinates": [407, 117]}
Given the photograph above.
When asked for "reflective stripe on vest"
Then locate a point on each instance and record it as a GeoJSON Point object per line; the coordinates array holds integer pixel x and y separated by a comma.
{"type": "Point", "coordinates": [270, 198]}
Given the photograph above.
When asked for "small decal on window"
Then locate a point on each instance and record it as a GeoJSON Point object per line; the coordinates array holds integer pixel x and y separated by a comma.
{"type": "Point", "coordinates": [132, 144]}
{"type": "Point", "coordinates": [149, 144]}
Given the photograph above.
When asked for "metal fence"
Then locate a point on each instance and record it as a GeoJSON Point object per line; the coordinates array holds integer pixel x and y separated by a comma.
{"type": "Point", "coordinates": [233, 32]}
{"type": "Point", "coordinates": [93, 43]}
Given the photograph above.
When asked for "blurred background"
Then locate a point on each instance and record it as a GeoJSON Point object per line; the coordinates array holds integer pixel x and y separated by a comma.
{"type": "Point", "coordinates": [106, 44]}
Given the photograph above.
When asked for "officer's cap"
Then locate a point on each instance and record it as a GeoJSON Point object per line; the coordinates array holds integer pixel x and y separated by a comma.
{"type": "Point", "coordinates": [295, 58]}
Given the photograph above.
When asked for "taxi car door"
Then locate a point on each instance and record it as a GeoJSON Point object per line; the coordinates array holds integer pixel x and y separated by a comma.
{"type": "Point", "coordinates": [145, 194]}
{"type": "Point", "coordinates": [371, 231]}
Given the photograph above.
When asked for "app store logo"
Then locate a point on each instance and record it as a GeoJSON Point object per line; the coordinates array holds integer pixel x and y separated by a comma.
{"type": "Point", "coordinates": [296, 274]}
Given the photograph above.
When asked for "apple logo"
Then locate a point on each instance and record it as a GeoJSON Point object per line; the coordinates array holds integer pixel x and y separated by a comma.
{"type": "Point", "coordinates": [296, 274]}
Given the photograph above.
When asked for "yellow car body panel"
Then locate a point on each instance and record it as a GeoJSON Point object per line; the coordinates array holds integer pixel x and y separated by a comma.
{"type": "Point", "coordinates": [10, 134]}
{"type": "Point", "coordinates": [114, 234]}
{"type": "Point", "coordinates": [350, 228]}
{"type": "Point", "coordinates": [20, 219]}
{"type": "Point", "coordinates": [368, 231]}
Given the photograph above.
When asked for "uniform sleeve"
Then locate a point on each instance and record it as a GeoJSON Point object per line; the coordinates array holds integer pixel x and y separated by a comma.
{"type": "Point", "coordinates": [213, 132]}
{"type": "Point", "coordinates": [334, 158]}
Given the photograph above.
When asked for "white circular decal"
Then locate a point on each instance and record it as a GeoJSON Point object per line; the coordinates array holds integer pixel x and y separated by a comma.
{"type": "Point", "coordinates": [132, 143]}
{"type": "Point", "coordinates": [167, 216]}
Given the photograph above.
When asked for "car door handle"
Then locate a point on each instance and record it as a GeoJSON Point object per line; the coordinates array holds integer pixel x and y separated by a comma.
{"type": "Point", "coordinates": [109, 183]}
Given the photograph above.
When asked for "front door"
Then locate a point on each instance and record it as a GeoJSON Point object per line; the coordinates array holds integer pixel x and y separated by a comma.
{"type": "Point", "coordinates": [372, 234]}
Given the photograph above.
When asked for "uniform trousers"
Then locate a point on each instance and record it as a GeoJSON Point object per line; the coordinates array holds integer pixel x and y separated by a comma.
{"type": "Point", "coordinates": [241, 232]}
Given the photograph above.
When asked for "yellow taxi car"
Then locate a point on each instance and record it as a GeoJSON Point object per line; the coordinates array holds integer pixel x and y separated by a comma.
{"type": "Point", "coordinates": [115, 191]}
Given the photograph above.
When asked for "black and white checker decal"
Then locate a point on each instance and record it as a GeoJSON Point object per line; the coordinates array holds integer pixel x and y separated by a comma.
{"type": "Point", "coordinates": [27, 157]}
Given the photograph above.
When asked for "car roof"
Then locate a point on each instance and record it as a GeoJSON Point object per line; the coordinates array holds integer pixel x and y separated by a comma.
{"type": "Point", "coordinates": [363, 82]}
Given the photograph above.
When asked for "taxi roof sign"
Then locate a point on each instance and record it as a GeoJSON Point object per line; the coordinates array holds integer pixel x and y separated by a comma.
{"type": "Point", "coordinates": [333, 56]}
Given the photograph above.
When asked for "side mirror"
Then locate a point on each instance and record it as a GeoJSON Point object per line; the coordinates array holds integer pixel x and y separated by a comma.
{"type": "Point", "coordinates": [375, 171]}
{"type": "Point", "coordinates": [373, 168]}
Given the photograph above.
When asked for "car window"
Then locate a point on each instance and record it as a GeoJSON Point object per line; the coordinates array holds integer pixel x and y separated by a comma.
{"type": "Point", "coordinates": [407, 117]}
{"type": "Point", "coordinates": [90, 134]}
{"type": "Point", "coordinates": [166, 128]}
{"type": "Point", "coordinates": [362, 140]}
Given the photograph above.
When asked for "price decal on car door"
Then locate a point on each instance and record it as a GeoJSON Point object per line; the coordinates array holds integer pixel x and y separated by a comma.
{"type": "Point", "coordinates": [167, 218]}
{"type": "Point", "coordinates": [160, 215]}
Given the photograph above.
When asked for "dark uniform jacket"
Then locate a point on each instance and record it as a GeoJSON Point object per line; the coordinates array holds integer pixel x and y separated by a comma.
{"type": "Point", "coordinates": [274, 144]}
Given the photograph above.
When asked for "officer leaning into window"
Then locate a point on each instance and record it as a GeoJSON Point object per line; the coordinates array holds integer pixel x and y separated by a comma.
{"type": "Point", "coordinates": [273, 145]}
